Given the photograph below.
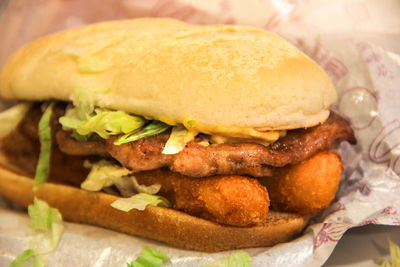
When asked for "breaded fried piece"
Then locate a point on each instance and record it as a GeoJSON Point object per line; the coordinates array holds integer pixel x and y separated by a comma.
{"type": "Point", "coordinates": [232, 200]}
{"type": "Point", "coordinates": [306, 187]}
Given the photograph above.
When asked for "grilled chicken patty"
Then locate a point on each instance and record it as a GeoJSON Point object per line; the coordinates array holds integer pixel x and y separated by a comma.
{"type": "Point", "coordinates": [196, 160]}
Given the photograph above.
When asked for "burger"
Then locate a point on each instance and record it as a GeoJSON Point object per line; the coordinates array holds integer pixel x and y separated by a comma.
{"type": "Point", "coordinates": [207, 137]}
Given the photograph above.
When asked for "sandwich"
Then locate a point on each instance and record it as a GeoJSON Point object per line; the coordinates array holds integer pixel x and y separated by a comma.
{"type": "Point", "coordinates": [208, 138]}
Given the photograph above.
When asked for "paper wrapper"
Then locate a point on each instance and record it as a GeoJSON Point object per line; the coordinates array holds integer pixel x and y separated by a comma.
{"type": "Point", "coordinates": [356, 42]}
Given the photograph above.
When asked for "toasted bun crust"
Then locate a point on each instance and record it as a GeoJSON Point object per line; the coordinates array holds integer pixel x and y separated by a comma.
{"type": "Point", "coordinates": [223, 77]}
{"type": "Point", "coordinates": [167, 225]}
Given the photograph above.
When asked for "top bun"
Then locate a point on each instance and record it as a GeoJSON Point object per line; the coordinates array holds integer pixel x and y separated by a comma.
{"type": "Point", "coordinates": [225, 78]}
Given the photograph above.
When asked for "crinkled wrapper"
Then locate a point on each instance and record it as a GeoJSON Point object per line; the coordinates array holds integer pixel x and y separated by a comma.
{"type": "Point", "coordinates": [358, 45]}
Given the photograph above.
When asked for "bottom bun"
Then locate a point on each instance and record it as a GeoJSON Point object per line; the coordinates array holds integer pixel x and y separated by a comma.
{"type": "Point", "coordinates": [158, 223]}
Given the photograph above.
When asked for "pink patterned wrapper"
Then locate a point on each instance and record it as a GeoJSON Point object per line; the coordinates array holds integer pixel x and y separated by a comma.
{"type": "Point", "coordinates": [358, 45]}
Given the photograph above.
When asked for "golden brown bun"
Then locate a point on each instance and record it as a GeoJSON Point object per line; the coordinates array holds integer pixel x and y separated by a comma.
{"type": "Point", "coordinates": [163, 69]}
{"type": "Point", "coordinates": [163, 224]}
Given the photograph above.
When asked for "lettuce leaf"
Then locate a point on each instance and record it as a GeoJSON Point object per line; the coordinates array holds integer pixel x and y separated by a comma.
{"type": "Point", "coordinates": [10, 118]}
{"type": "Point", "coordinates": [155, 127]}
{"type": "Point", "coordinates": [83, 102]}
{"type": "Point", "coordinates": [22, 258]}
{"type": "Point", "coordinates": [107, 123]}
{"type": "Point", "coordinates": [104, 122]}
{"type": "Point", "coordinates": [139, 202]}
{"type": "Point", "coordinates": [149, 257]}
{"type": "Point", "coordinates": [239, 259]}
{"type": "Point", "coordinates": [47, 223]}
{"type": "Point", "coordinates": [84, 119]}
{"type": "Point", "coordinates": [103, 174]}
{"type": "Point", "coordinates": [178, 139]}
{"type": "Point", "coordinates": [140, 188]}
{"type": "Point", "coordinates": [43, 165]}
{"type": "Point", "coordinates": [71, 120]}
{"type": "Point", "coordinates": [129, 186]}
{"type": "Point", "coordinates": [40, 261]}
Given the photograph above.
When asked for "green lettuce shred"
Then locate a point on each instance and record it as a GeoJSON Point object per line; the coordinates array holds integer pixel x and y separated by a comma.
{"type": "Point", "coordinates": [149, 257]}
{"type": "Point", "coordinates": [139, 202]}
{"type": "Point", "coordinates": [78, 137]}
{"type": "Point", "coordinates": [104, 122]}
{"type": "Point", "coordinates": [22, 258]}
{"type": "Point", "coordinates": [178, 139]}
{"type": "Point", "coordinates": [84, 119]}
{"type": "Point", "coordinates": [83, 102]}
{"type": "Point", "coordinates": [47, 223]}
{"type": "Point", "coordinates": [394, 255]}
{"type": "Point", "coordinates": [107, 123]}
{"type": "Point", "coordinates": [103, 174]}
{"type": "Point", "coordinates": [83, 106]}
{"type": "Point", "coordinates": [10, 118]}
{"type": "Point", "coordinates": [43, 165]}
{"type": "Point", "coordinates": [40, 261]}
{"type": "Point", "coordinates": [155, 127]}
{"type": "Point", "coordinates": [140, 188]}
{"type": "Point", "coordinates": [239, 259]}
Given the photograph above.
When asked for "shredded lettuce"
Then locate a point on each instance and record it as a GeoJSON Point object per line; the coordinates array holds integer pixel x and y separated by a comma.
{"type": "Point", "coordinates": [140, 188]}
{"type": "Point", "coordinates": [102, 174]}
{"type": "Point", "coordinates": [239, 259]}
{"type": "Point", "coordinates": [104, 122]}
{"type": "Point", "coordinates": [128, 186]}
{"type": "Point", "coordinates": [84, 119]}
{"type": "Point", "coordinates": [105, 173]}
{"type": "Point", "coordinates": [10, 118]}
{"type": "Point", "coordinates": [83, 102]}
{"type": "Point", "coordinates": [43, 165]}
{"type": "Point", "coordinates": [40, 261]}
{"type": "Point", "coordinates": [139, 202]}
{"type": "Point", "coordinates": [71, 120]}
{"type": "Point", "coordinates": [107, 123]}
{"type": "Point", "coordinates": [149, 257]}
{"type": "Point", "coordinates": [178, 139]}
{"type": "Point", "coordinates": [22, 258]}
{"type": "Point", "coordinates": [47, 223]}
{"type": "Point", "coordinates": [78, 137]}
{"type": "Point", "coordinates": [394, 255]}
{"type": "Point", "coordinates": [155, 127]}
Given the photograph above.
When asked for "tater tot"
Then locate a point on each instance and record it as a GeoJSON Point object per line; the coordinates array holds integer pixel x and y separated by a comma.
{"type": "Point", "coordinates": [306, 187]}
{"type": "Point", "coordinates": [232, 200]}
